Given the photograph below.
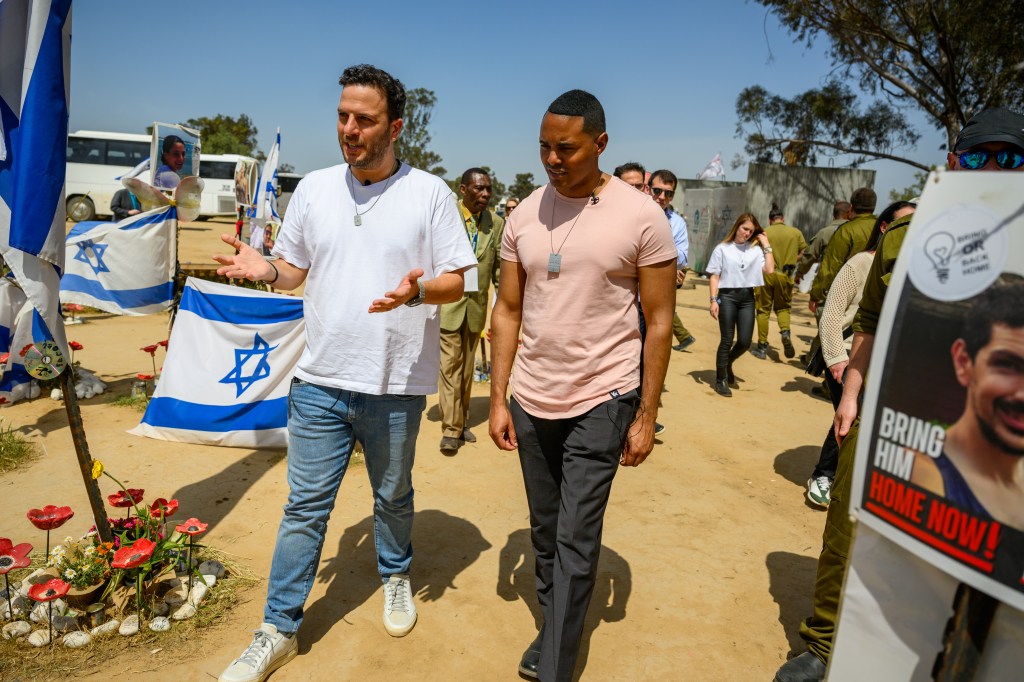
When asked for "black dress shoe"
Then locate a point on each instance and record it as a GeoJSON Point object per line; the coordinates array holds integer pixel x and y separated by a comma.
{"type": "Point", "coordinates": [531, 659]}
{"type": "Point", "coordinates": [449, 445]}
{"type": "Point", "coordinates": [804, 668]}
{"type": "Point", "coordinates": [722, 388]}
{"type": "Point", "coordinates": [468, 436]}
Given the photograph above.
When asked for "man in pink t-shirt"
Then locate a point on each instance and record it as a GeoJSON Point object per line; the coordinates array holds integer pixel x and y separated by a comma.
{"type": "Point", "coordinates": [574, 256]}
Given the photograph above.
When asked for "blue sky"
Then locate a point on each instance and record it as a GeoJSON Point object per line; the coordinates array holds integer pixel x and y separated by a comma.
{"type": "Point", "coordinates": [668, 73]}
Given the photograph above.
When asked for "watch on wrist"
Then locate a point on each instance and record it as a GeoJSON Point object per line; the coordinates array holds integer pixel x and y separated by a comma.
{"type": "Point", "coordinates": [716, 299]}
{"type": "Point", "coordinates": [766, 249]}
{"type": "Point", "coordinates": [418, 298]}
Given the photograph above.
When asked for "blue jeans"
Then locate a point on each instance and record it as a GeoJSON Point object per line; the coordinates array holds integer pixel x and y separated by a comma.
{"type": "Point", "coordinates": [323, 425]}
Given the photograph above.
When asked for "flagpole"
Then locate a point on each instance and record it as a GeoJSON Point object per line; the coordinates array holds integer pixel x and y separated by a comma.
{"type": "Point", "coordinates": [99, 512]}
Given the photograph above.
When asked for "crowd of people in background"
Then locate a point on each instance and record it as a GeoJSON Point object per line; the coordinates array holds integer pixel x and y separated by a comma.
{"type": "Point", "coordinates": [585, 271]}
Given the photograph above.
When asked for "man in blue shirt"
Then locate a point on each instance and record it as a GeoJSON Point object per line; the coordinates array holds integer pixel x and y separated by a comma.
{"type": "Point", "coordinates": [663, 188]}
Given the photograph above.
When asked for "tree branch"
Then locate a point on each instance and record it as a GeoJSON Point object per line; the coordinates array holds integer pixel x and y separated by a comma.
{"type": "Point", "coordinates": [778, 142]}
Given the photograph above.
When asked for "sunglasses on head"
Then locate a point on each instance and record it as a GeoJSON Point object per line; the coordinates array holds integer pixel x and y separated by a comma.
{"type": "Point", "coordinates": [976, 160]}
{"type": "Point", "coordinates": [657, 191]}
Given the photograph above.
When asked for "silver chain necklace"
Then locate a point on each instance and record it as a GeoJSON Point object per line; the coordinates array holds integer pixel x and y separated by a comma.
{"type": "Point", "coordinates": [357, 219]}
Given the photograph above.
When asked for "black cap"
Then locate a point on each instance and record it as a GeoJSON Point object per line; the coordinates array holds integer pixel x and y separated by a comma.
{"type": "Point", "coordinates": [992, 125]}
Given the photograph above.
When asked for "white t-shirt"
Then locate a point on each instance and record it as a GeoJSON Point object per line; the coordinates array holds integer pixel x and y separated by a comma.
{"type": "Point", "coordinates": [737, 265]}
{"type": "Point", "coordinates": [413, 223]}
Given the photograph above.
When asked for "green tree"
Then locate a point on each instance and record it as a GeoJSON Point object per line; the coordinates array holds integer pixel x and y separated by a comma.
{"type": "Point", "coordinates": [910, 191]}
{"type": "Point", "coordinates": [412, 145]}
{"type": "Point", "coordinates": [948, 59]}
{"type": "Point", "coordinates": [523, 186]}
{"type": "Point", "coordinates": [226, 135]}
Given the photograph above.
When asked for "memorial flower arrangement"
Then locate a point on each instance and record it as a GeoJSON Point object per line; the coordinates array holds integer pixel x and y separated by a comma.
{"type": "Point", "coordinates": [82, 564]}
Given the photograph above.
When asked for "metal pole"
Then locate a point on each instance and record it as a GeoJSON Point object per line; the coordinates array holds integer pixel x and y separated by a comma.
{"type": "Point", "coordinates": [99, 512]}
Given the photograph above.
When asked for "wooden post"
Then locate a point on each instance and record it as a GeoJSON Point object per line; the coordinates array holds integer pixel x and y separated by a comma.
{"type": "Point", "coordinates": [99, 512]}
{"type": "Point", "coordinates": [965, 636]}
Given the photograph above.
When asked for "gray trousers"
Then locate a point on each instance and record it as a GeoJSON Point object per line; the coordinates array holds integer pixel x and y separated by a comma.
{"type": "Point", "coordinates": [568, 467]}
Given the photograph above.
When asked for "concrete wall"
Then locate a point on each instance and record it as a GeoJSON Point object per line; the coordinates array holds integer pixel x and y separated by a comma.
{"type": "Point", "coordinates": [709, 214]}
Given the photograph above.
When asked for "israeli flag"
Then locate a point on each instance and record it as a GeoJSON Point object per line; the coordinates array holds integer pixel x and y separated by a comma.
{"type": "Point", "coordinates": [230, 361]}
{"type": "Point", "coordinates": [264, 200]}
{"type": "Point", "coordinates": [16, 319]}
{"type": "Point", "coordinates": [35, 42]}
{"type": "Point", "coordinates": [125, 268]}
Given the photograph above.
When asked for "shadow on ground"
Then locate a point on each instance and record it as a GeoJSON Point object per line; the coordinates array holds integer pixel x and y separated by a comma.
{"type": "Point", "coordinates": [791, 583]}
{"type": "Point", "coordinates": [802, 384]}
{"type": "Point", "coordinates": [795, 465]}
{"type": "Point", "coordinates": [479, 408]}
{"type": "Point", "coordinates": [352, 576]}
{"type": "Point", "coordinates": [614, 585]}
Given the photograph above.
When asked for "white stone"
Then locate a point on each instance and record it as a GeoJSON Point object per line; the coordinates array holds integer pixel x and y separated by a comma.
{"type": "Point", "coordinates": [209, 579]}
{"type": "Point", "coordinates": [184, 613]}
{"type": "Point", "coordinates": [34, 391]}
{"type": "Point", "coordinates": [21, 607]}
{"type": "Point", "coordinates": [198, 593]}
{"type": "Point", "coordinates": [42, 610]}
{"type": "Point", "coordinates": [160, 624]}
{"type": "Point", "coordinates": [31, 580]}
{"type": "Point", "coordinates": [106, 628]}
{"type": "Point", "coordinates": [130, 626]}
{"type": "Point", "coordinates": [211, 567]}
{"type": "Point", "coordinates": [77, 639]}
{"type": "Point", "coordinates": [64, 623]}
{"type": "Point", "coordinates": [18, 628]}
{"type": "Point", "coordinates": [88, 393]}
{"type": "Point", "coordinates": [39, 638]}
{"type": "Point", "coordinates": [55, 394]}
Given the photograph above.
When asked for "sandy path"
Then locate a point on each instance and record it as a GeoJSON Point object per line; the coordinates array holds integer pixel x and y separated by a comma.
{"type": "Point", "coordinates": [709, 549]}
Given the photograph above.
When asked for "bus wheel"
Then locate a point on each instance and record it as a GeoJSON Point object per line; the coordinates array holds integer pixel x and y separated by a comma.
{"type": "Point", "coordinates": [80, 209]}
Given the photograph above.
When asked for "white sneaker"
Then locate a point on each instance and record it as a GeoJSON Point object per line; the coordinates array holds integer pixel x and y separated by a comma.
{"type": "Point", "coordinates": [268, 652]}
{"type": "Point", "coordinates": [399, 611]}
{"type": "Point", "coordinates": [818, 491]}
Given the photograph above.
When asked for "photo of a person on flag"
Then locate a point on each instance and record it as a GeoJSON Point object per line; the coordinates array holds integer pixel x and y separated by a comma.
{"type": "Point", "coordinates": [981, 466]}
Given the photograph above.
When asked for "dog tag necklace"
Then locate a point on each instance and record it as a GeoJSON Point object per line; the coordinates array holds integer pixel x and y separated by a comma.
{"type": "Point", "coordinates": [555, 257]}
{"type": "Point", "coordinates": [357, 219]}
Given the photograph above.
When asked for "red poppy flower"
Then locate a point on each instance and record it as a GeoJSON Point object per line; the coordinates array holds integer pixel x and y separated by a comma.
{"type": "Point", "coordinates": [162, 343]}
{"type": "Point", "coordinates": [122, 500]}
{"type": "Point", "coordinates": [144, 377]}
{"type": "Point", "coordinates": [134, 555]}
{"type": "Point", "coordinates": [74, 345]}
{"type": "Point", "coordinates": [150, 349]}
{"type": "Point", "coordinates": [48, 591]}
{"type": "Point", "coordinates": [77, 307]}
{"type": "Point", "coordinates": [13, 556]}
{"type": "Point", "coordinates": [192, 527]}
{"type": "Point", "coordinates": [165, 508]}
{"type": "Point", "coordinates": [49, 517]}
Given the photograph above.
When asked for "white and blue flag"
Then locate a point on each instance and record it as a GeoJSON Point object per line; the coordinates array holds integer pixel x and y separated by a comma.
{"type": "Point", "coordinates": [16, 320]}
{"type": "Point", "coordinates": [125, 268]}
{"type": "Point", "coordinates": [230, 361]}
{"type": "Point", "coordinates": [264, 200]}
{"type": "Point", "coordinates": [35, 42]}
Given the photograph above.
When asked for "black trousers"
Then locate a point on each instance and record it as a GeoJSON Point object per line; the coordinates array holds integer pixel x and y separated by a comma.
{"type": "Point", "coordinates": [568, 467]}
{"type": "Point", "coordinates": [828, 460]}
{"type": "Point", "coordinates": [735, 321]}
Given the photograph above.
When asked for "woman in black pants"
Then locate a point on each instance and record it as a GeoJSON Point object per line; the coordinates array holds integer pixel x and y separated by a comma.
{"type": "Point", "coordinates": [737, 265]}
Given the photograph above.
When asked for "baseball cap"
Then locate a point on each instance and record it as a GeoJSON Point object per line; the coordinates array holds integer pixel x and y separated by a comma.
{"type": "Point", "coordinates": [992, 125]}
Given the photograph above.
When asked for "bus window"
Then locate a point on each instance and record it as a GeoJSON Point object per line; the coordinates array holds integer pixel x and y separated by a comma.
{"type": "Point", "coordinates": [216, 170]}
{"type": "Point", "coordinates": [85, 150]}
{"type": "Point", "coordinates": [124, 153]}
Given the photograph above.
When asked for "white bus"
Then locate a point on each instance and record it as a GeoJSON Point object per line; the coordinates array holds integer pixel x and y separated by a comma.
{"type": "Point", "coordinates": [95, 161]}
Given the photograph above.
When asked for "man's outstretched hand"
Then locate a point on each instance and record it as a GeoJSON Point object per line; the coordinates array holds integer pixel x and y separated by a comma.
{"type": "Point", "coordinates": [406, 290]}
{"type": "Point", "coordinates": [247, 263]}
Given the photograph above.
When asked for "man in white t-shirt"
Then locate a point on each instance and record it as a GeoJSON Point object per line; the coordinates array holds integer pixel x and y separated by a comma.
{"type": "Point", "coordinates": [574, 256]}
{"type": "Point", "coordinates": [351, 232]}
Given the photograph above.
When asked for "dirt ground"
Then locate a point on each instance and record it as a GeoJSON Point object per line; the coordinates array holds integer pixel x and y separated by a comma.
{"type": "Point", "coordinates": [709, 547]}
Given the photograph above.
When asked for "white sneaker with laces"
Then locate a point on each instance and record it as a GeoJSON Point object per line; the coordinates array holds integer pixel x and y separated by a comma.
{"type": "Point", "coordinates": [818, 491]}
{"type": "Point", "coordinates": [399, 610]}
{"type": "Point", "coordinates": [269, 651]}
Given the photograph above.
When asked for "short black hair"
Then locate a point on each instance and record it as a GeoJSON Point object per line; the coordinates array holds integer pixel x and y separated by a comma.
{"type": "Point", "coordinates": [775, 213]}
{"type": "Point", "coordinates": [999, 304]}
{"type": "Point", "coordinates": [169, 142]}
{"type": "Point", "coordinates": [665, 175]}
{"type": "Point", "coordinates": [388, 85]}
{"type": "Point", "coordinates": [629, 166]}
{"type": "Point", "coordinates": [886, 216]}
{"type": "Point", "coordinates": [468, 175]}
{"type": "Point", "coordinates": [863, 200]}
{"type": "Point", "coordinates": [840, 209]}
{"type": "Point", "coordinates": [580, 103]}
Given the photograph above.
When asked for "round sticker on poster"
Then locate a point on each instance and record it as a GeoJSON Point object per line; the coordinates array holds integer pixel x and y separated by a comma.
{"type": "Point", "coordinates": [961, 253]}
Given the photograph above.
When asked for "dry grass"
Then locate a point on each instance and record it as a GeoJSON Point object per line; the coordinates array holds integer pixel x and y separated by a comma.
{"type": "Point", "coordinates": [149, 651]}
{"type": "Point", "coordinates": [15, 451]}
{"type": "Point", "coordinates": [137, 403]}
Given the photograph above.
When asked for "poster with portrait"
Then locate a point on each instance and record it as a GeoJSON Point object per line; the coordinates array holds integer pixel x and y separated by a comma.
{"type": "Point", "coordinates": [940, 457]}
{"type": "Point", "coordinates": [174, 155]}
{"type": "Point", "coordinates": [246, 176]}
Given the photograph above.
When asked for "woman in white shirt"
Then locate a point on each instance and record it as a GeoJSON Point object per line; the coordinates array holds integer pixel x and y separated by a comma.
{"type": "Point", "coordinates": [737, 265]}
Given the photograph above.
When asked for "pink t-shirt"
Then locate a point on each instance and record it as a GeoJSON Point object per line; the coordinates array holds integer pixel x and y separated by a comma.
{"type": "Point", "coordinates": [581, 336]}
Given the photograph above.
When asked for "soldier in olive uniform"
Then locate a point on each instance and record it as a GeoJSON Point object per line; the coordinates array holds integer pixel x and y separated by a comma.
{"type": "Point", "coordinates": [850, 238]}
{"type": "Point", "coordinates": [462, 321]}
{"type": "Point", "coordinates": [777, 293]}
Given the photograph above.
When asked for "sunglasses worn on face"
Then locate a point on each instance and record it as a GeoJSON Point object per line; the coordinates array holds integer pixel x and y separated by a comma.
{"type": "Point", "coordinates": [977, 160]}
{"type": "Point", "coordinates": [669, 193]}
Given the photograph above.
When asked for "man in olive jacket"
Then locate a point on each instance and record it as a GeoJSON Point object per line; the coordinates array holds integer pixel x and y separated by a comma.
{"type": "Point", "coordinates": [463, 321]}
{"type": "Point", "coordinates": [850, 238]}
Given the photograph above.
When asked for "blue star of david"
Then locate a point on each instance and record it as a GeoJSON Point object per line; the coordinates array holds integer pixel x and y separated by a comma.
{"type": "Point", "coordinates": [97, 250]}
{"type": "Point", "coordinates": [242, 355]}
